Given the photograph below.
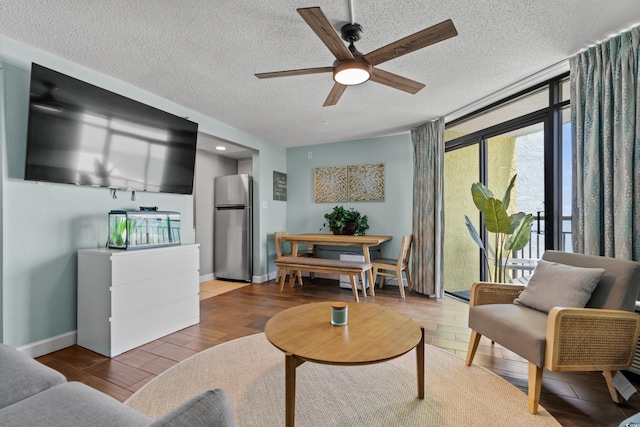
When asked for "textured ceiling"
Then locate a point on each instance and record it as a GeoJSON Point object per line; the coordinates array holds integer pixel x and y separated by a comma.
{"type": "Point", "coordinates": [203, 54]}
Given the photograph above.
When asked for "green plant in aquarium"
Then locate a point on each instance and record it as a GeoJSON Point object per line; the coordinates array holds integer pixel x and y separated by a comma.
{"type": "Point", "coordinates": [121, 231]}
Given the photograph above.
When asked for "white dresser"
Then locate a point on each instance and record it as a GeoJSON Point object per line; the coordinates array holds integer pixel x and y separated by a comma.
{"type": "Point", "coordinates": [129, 298]}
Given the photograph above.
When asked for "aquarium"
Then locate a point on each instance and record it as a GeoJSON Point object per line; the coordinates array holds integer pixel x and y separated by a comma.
{"type": "Point", "coordinates": [144, 228]}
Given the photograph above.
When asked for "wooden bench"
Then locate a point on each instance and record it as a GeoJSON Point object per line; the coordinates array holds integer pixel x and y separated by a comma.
{"type": "Point", "coordinates": [353, 269]}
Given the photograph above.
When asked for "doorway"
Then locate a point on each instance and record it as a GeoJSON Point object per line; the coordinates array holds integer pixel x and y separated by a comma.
{"type": "Point", "coordinates": [212, 162]}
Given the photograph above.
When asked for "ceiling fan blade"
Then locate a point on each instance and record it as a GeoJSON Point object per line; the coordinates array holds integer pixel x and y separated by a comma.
{"type": "Point", "coordinates": [334, 96]}
{"type": "Point", "coordinates": [424, 38]}
{"type": "Point", "coordinates": [395, 81]}
{"type": "Point", "coordinates": [322, 27]}
{"type": "Point", "coordinates": [294, 72]}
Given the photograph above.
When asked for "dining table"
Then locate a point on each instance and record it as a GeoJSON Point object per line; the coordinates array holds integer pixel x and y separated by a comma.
{"type": "Point", "coordinates": [364, 242]}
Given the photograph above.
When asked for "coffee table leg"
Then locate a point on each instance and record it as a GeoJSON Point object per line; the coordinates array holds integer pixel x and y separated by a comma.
{"type": "Point", "coordinates": [291, 363]}
{"type": "Point", "coordinates": [420, 363]}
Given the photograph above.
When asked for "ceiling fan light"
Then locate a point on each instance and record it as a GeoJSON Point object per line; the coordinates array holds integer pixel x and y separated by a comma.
{"type": "Point", "coordinates": [351, 73]}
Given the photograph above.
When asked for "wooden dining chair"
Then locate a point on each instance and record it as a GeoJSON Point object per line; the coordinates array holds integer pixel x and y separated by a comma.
{"type": "Point", "coordinates": [280, 253]}
{"type": "Point", "coordinates": [389, 267]}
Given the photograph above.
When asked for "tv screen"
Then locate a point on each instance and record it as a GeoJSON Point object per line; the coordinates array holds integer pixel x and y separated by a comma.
{"type": "Point", "coordinates": [81, 134]}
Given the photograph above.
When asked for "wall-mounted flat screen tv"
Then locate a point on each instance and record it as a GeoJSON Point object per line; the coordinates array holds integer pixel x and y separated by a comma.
{"type": "Point", "coordinates": [81, 134]}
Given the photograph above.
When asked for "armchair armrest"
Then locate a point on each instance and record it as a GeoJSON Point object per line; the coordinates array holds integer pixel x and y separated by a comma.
{"type": "Point", "coordinates": [494, 293]}
{"type": "Point", "coordinates": [591, 339]}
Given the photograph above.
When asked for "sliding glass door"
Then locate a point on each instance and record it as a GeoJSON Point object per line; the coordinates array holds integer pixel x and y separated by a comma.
{"type": "Point", "coordinates": [528, 136]}
{"type": "Point", "coordinates": [520, 153]}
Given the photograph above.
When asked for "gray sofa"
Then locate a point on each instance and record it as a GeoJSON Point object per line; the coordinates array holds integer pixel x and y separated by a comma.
{"type": "Point", "coordinates": [32, 394]}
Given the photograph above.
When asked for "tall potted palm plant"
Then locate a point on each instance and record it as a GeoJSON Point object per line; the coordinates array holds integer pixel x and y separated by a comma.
{"type": "Point", "coordinates": [511, 232]}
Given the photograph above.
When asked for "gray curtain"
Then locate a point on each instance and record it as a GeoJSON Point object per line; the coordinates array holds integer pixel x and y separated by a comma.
{"type": "Point", "coordinates": [606, 138]}
{"type": "Point", "coordinates": [428, 206]}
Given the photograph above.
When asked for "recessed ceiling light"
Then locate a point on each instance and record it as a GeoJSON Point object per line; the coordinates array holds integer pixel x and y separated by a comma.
{"type": "Point", "coordinates": [221, 148]}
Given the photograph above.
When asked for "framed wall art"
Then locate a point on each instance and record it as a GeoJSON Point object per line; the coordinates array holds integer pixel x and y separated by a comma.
{"type": "Point", "coordinates": [355, 183]}
{"type": "Point", "coordinates": [279, 186]}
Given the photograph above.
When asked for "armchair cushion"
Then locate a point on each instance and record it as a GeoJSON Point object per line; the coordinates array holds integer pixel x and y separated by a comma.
{"type": "Point", "coordinates": [559, 285]}
{"type": "Point", "coordinates": [503, 323]}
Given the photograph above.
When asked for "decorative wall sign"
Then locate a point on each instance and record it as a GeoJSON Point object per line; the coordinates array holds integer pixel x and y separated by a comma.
{"type": "Point", "coordinates": [331, 184]}
{"type": "Point", "coordinates": [279, 186]}
{"type": "Point", "coordinates": [356, 183]}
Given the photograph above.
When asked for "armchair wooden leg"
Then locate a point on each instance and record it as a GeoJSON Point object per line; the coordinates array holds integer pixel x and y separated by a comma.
{"type": "Point", "coordinates": [473, 346]}
{"type": "Point", "coordinates": [615, 395]}
{"type": "Point", "coordinates": [535, 385]}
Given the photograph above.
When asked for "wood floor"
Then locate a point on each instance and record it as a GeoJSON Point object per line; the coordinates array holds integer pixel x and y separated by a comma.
{"type": "Point", "coordinates": [575, 399]}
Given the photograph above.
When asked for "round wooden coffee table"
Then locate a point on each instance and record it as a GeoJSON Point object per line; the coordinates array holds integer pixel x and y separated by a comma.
{"type": "Point", "coordinates": [373, 334]}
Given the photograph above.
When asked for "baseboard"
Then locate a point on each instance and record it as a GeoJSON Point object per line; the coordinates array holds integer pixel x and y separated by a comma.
{"type": "Point", "coordinates": [263, 278]}
{"type": "Point", "coordinates": [207, 277]}
{"type": "Point", "coordinates": [49, 345]}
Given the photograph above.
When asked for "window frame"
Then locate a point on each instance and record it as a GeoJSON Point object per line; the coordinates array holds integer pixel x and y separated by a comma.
{"type": "Point", "coordinates": [551, 118]}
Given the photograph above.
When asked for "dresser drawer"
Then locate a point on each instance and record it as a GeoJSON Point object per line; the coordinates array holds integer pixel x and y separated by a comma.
{"type": "Point", "coordinates": [152, 264]}
{"type": "Point", "coordinates": [139, 328]}
{"type": "Point", "coordinates": [152, 293]}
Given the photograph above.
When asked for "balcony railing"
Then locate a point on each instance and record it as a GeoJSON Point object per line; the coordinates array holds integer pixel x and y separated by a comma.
{"type": "Point", "coordinates": [534, 250]}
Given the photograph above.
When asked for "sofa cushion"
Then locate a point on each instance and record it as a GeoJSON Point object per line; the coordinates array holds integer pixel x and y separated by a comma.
{"type": "Point", "coordinates": [519, 328]}
{"type": "Point", "coordinates": [210, 408]}
{"type": "Point", "coordinates": [23, 376]}
{"type": "Point", "coordinates": [71, 404]}
{"type": "Point", "coordinates": [559, 285]}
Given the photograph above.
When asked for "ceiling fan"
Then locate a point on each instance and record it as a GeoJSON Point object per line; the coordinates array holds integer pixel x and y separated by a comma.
{"type": "Point", "coordinates": [352, 67]}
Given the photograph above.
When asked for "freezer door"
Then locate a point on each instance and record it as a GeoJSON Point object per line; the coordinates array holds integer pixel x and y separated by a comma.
{"type": "Point", "coordinates": [233, 249]}
{"type": "Point", "coordinates": [233, 190]}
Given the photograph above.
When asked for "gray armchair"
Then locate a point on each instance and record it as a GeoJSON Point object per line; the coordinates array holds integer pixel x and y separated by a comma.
{"type": "Point", "coordinates": [601, 336]}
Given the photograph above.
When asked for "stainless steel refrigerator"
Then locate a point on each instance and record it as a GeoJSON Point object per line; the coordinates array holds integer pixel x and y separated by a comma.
{"type": "Point", "coordinates": [232, 227]}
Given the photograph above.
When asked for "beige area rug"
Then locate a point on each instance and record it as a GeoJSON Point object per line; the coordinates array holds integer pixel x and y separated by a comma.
{"type": "Point", "coordinates": [251, 371]}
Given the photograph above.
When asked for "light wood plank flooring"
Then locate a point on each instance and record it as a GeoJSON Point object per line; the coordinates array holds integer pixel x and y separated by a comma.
{"type": "Point", "coordinates": [575, 399]}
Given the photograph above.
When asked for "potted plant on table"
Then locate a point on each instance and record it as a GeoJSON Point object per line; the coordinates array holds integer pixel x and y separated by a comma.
{"type": "Point", "coordinates": [511, 232]}
{"type": "Point", "coordinates": [346, 221]}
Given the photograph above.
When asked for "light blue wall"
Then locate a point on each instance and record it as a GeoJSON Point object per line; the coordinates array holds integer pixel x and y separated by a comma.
{"type": "Point", "coordinates": [391, 217]}
{"type": "Point", "coordinates": [44, 225]}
